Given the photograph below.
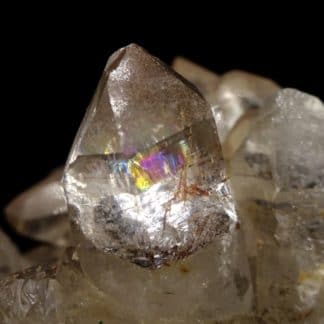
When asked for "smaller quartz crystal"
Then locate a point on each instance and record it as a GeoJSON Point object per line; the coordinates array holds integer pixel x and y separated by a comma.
{"type": "Point", "coordinates": [54, 294]}
{"type": "Point", "coordinates": [234, 96]}
{"type": "Point", "coordinates": [205, 80]}
{"type": "Point", "coordinates": [41, 212]}
{"type": "Point", "coordinates": [278, 181]}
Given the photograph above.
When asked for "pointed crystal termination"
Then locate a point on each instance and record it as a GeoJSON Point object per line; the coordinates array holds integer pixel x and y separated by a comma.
{"type": "Point", "coordinates": [277, 175]}
{"type": "Point", "coordinates": [146, 190]}
{"type": "Point", "coordinates": [145, 177]}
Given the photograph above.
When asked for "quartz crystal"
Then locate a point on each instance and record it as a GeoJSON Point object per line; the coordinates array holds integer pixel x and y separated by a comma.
{"type": "Point", "coordinates": [186, 291]}
{"type": "Point", "coordinates": [54, 294]}
{"type": "Point", "coordinates": [61, 293]}
{"type": "Point", "coordinates": [145, 182]}
{"type": "Point", "coordinates": [239, 95]}
{"type": "Point", "coordinates": [277, 175]}
{"type": "Point", "coordinates": [41, 212]}
{"type": "Point", "coordinates": [145, 179]}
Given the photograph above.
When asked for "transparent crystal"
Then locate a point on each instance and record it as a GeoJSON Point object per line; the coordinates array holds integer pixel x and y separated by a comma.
{"type": "Point", "coordinates": [157, 237]}
{"type": "Point", "coordinates": [278, 183]}
{"type": "Point", "coordinates": [163, 294]}
{"type": "Point", "coordinates": [145, 182]}
{"type": "Point", "coordinates": [61, 293]}
{"type": "Point", "coordinates": [54, 294]}
{"type": "Point", "coordinates": [239, 94]}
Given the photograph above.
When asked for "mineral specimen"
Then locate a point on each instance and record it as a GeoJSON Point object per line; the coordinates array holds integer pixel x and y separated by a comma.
{"type": "Point", "coordinates": [165, 230]}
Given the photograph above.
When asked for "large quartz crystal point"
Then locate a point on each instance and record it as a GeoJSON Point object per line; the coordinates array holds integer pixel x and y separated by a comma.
{"type": "Point", "coordinates": [278, 179]}
{"type": "Point", "coordinates": [146, 189]}
{"type": "Point", "coordinates": [41, 211]}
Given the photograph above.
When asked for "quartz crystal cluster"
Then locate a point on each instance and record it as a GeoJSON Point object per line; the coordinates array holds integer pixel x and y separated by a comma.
{"type": "Point", "coordinates": [188, 197]}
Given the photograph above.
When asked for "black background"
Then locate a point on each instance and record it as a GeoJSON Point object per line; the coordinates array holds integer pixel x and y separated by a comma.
{"type": "Point", "coordinates": [52, 64]}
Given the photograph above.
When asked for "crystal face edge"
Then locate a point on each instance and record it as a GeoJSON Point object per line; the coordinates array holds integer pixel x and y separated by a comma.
{"type": "Point", "coordinates": [147, 183]}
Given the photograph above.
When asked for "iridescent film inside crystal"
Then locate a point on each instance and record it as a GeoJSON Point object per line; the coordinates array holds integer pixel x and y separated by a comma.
{"type": "Point", "coordinates": [151, 166]}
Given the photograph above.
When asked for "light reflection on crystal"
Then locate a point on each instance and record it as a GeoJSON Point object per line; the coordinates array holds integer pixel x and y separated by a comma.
{"type": "Point", "coordinates": [151, 166]}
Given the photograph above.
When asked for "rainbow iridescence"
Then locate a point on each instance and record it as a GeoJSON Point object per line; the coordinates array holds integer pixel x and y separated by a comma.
{"type": "Point", "coordinates": [155, 164]}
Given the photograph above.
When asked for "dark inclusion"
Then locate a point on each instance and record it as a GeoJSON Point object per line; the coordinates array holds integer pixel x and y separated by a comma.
{"type": "Point", "coordinates": [109, 215]}
{"type": "Point", "coordinates": [260, 164]}
{"type": "Point", "coordinates": [128, 239]}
